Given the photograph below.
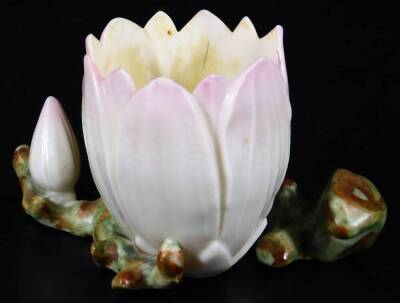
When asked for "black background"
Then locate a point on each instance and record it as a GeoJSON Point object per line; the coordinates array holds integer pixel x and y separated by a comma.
{"type": "Point", "coordinates": [343, 68]}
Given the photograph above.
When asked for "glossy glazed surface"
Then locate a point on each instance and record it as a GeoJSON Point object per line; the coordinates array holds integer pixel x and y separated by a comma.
{"type": "Point", "coordinates": [179, 152]}
{"type": "Point", "coordinates": [348, 217]}
{"type": "Point", "coordinates": [135, 269]}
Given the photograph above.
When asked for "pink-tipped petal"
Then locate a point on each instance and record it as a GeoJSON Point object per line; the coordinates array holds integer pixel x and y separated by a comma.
{"type": "Point", "coordinates": [54, 157]}
{"type": "Point", "coordinates": [272, 45]}
{"type": "Point", "coordinates": [211, 93]}
{"type": "Point", "coordinates": [103, 101]}
{"type": "Point", "coordinates": [254, 138]}
{"type": "Point", "coordinates": [281, 54]}
{"type": "Point", "coordinates": [166, 170]}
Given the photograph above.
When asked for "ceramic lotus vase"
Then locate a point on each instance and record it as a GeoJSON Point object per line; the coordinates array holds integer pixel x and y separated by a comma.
{"type": "Point", "coordinates": [187, 135]}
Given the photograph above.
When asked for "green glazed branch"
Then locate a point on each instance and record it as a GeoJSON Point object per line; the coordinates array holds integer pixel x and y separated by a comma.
{"type": "Point", "coordinates": [135, 269]}
{"type": "Point", "coordinates": [348, 217]}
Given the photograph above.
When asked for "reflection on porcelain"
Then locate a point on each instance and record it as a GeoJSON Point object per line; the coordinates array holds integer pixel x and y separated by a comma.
{"type": "Point", "coordinates": [188, 133]}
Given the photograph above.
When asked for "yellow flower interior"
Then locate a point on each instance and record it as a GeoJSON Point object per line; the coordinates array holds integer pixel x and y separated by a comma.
{"type": "Point", "coordinates": [203, 47]}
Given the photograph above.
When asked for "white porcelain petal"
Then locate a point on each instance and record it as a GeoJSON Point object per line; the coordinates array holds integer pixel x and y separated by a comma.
{"type": "Point", "coordinates": [54, 156]}
{"type": "Point", "coordinates": [103, 100]}
{"type": "Point", "coordinates": [252, 238]}
{"type": "Point", "coordinates": [246, 27]}
{"type": "Point", "coordinates": [166, 170]}
{"type": "Point", "coordinates": [201, 168]}
{"type": "Point", "coordinates": [210, 94]}
{"type": "Point", "coordinates": [204, 46]}
{"type": "Point", "coordinates": [253, 134]}
{"type": "Point", "coordinates": [272, 45]}
{"type": "Point", "coordinates": [124, 44]}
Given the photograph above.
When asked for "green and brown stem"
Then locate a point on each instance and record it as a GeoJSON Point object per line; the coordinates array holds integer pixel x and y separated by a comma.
{"type": "Point", "coordinates": [348, 217]}
{"type": "Point", "coordinates": [110, 248]}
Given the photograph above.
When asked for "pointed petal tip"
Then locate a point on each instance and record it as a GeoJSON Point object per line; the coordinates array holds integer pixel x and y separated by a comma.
{"type": "Point", "coordinates": [207, 17]}
{"type": "Point", "coordinates": [210, 93]}
{"type": "Point", "coordinates": [246, 25]}
{"type": "Point", "coordinates": [211, 78]}
{"type": "Point", "coordinates": [265, 67]}
{"type": "Point", "coordinates": [120, 82]}
{"type": "Point", "coordinates": [115, 22]}
{"type": "Point", "coordinates": [51, 101]}
{"type": "Point", "coordinates": [205, 12]}
{"type": "Point", "coordinates": [160, 15]}
{"type": "Point", "coordinates": [91, 44]}
{"type": "Point", "coordinates": [51, 98]}
{"type": "Point", "coordinates": [279, 29]}
{"type": "Point", "coordinates": [119, 78]}
{"type": "Point", "coordinates": [281, 53]}
{"type": "Point", "coordinates": [123, 75]}
{"type": "Point", "coordinates": [265, 64]}
{"type": "Point", "coordinates": [160, 25]}
{"type": "Point", "coordinates": [54, 156]}
{"type": "Point", "coordinates": [161, 83]}
{"type": "Point", "coordinates": [162, 86]}
{"type": "Point", "coordinates": [260, 64]}
{"type": "Point", "coordinates": [52, 107]}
